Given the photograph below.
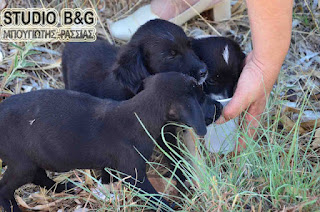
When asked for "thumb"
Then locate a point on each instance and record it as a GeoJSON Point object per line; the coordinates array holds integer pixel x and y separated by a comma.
{"type": "Point", "coordinates": [233, 109]}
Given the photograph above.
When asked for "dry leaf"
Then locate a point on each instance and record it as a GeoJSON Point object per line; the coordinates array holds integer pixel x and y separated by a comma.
{"type": "Point", "coordinates": [40, 198]}
{"type": "Point", "coordinates": [161, 185]}
{"type": "Point", "coordinates": [288, 124]}
{"type": "Point", "coordinates": [62, 177]}
{"type": "Point", "coordinates": [311, 124]}
{"type": "Point", "coordinates": [77, 201]}
{"type": "Point", "coordinates": [316, 141]}
{"type": "Point", "coordinates": [21, 202]}
{"type": "Point", "coordinates": [315, 96]}
{"type": "Point", "coordinates": [88, 177]}
{"type": "Point", "coordinates": [317, 134]}
{"type": "Point", "coordinates": [291, 109]}
{"type": "Point", "coordinates": [44, 207]}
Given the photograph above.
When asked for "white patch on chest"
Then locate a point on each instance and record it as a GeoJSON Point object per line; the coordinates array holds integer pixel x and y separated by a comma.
{"type": "Point", "coordinates": [31, 121]}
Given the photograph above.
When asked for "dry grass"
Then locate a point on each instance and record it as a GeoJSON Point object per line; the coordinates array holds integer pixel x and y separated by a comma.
{"type": "Point", "coordinates": [284, 122]}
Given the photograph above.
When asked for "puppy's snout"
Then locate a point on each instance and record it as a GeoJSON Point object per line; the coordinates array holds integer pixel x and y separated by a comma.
{"type": "Point", "coordinates": [203, 72]}
{"type": "Point", "coordinates": [218, 111]}
{"type": "Point", "coordinates": [201, 131]}
{"type": "Point", "coordinates": [208, 121]}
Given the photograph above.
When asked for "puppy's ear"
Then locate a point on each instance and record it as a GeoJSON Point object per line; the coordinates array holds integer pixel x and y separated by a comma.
{"type": "Point", "coordinates": [129, 68]}
{"type": "Point", "coordinates": [192, 117]}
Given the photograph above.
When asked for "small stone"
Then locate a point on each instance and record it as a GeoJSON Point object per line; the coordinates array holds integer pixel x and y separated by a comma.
{"type": "Point", "coordinates": [291, 95]}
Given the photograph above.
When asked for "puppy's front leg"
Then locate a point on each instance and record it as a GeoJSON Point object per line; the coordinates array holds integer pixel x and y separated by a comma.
{"type": "Point", "coordinates": [135, 167]}
{"type": "Point", "coordinates": [146, 186]}
{"type": "Point", "coordinates": [44, 181]}
{"type": "Point", "coordinates": [172, 140]}
{"type": "Point", "coordinates": [106, 177]}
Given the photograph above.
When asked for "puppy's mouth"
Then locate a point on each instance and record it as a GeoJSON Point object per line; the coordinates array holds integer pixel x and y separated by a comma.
{"type": "Point", "coordinates": [202, 79]}
{"type": "Point", "coordinates": [200, 131]}
{"type": "Point", "coordinates": [218, 96]}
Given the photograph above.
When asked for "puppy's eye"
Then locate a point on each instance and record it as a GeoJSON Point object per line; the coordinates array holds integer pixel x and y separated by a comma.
{"type": "Point", "coordinates": [173, 53]}
{"type": "Point", "coordinates": [212, 81]}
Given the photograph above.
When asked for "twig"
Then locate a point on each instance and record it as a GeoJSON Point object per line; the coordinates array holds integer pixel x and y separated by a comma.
{"type": "Point", "coordinates": [314, 20]}
{"type": "Point", "coordinates": [210, 26]}
{"type": "Point", "coordinates": [43, 49]}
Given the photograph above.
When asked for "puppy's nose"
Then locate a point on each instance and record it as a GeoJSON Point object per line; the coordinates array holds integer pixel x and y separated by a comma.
{"type": "Point", "coordinates": [203, 72]}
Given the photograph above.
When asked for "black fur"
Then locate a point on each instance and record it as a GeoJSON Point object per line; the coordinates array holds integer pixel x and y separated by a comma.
{"type": "Point", "coordinates": [211, 109]}
{"type": "Point", "coordinates": [61, 130]}
{"type": "Point", "coordinates": [106, 71]}
{"type": "Point", "coordinates": [222, 77]}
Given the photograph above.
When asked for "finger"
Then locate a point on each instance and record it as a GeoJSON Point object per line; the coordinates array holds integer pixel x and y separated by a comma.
{"type": "Point", "coordinates": [246, 93]}
{"type": "Point", "coordinates": [241, 145]}
{"type": "Point", "coordinates": [220, 120]}
{"type": "Point", "coordinates": [248, 58]}
{"type": "Point", "coordinates": [238, 103]}
{"type": "Point", "coordinates": [250, 131]}
{"type": "Point", "coordinates": [234, 108]}
{"type": "Point", "coordinates": [252, 117]}
{"type": "Point", "coordinates": [251, 122]}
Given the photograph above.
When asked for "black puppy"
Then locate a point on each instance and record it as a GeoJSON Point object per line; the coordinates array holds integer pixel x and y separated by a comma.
{"type": "Point", "coordinates": [61, 130]}
{"type": "Point", "coordinates": [106, 71]}
{"type": "Point", "coordinates": [225, 60]}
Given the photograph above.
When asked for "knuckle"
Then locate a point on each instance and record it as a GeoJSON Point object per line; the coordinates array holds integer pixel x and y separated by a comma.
{"type": "Point", "coordinates": [229, 114]}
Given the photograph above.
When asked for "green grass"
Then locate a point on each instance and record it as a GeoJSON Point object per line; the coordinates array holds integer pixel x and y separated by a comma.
{"type": "Point", "coordinates": [20, 62]}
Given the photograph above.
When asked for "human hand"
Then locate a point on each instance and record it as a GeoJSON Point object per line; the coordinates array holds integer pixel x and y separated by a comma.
{"type": "Point", "coordinates": [253, 89]}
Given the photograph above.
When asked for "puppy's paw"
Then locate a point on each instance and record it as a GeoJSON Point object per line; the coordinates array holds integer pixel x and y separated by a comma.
{"type": "Point", "coordinates": [68, 188]}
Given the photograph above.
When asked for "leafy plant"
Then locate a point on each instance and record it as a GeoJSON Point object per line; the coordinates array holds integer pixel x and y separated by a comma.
{"type": "Point", "coordinates": [20, 62]}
